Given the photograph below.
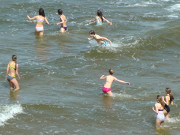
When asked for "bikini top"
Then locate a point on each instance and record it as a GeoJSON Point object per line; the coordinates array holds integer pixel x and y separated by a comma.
{"type": "Point", "coordinates": [41, 19]}
{"type": "Point", "coordinates": [12, 67]}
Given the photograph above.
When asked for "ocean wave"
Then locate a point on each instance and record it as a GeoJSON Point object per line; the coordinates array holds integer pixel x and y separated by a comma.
{"type": "Point", "coordinates": [8, 112]}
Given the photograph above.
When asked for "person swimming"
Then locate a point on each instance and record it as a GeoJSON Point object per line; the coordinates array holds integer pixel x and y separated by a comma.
{"type": "Point", "coordinates": [103, 41]}
{"type": "Point", "coordinates": [12, 71]}
{"type": "Point", "coordinates": [159, 109]}
{"type": "Point", "coordinates": [109, 80]}
{"type": "Point", "coordinates": [39, 29]}
{"type": "Point", "coordinates": [63, 21]}
{"type": "Point", "coordinates": [99, 19]}
{"type": "Point", "coordinates": [168, 99]}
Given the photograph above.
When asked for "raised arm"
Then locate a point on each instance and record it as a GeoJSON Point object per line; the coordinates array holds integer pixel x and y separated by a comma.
{"type": "Point", "coordinates": [102, 77]}
{"type": "Point", "coordinates": [31, 18]}
{"type": "Point", "coordinates": [110, 23]}
{"type": "Point", "coordinates": [121, 81]}
{"type": "Point", "coordinates": [17, 73]}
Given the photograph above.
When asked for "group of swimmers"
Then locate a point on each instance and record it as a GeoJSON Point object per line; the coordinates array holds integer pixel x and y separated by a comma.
{"type": "Point", "coordinates": [99, 19]}
{"type": "Point", "coordinates": [162, 107]}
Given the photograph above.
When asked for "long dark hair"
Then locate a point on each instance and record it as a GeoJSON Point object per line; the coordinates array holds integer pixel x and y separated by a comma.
{"type": "Point", "coordinates": [100, 14]}
{"type": "Point", "coordinates": [168, 91]}
{"type": "Point", "coordinates": [41, 12]}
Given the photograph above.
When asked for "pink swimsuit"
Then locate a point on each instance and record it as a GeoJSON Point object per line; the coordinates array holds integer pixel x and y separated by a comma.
{"type": "Point", "coordinates": [105, 90]}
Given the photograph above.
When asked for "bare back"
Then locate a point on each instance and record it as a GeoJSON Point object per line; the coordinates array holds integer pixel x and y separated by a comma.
{"type": "Point", "coordinates": [40, 19]}
{"type": "Point", "coordinates": [109, 81]}
{"type": "Point", "coordinates": [98, 39]}
{"type": "Point", "coordinates": [12, 68]}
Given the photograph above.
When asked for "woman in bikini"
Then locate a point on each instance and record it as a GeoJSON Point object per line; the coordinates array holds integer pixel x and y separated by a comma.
{"type": "Point", "coordinates": [12, 71]}
{"type": "Point", "coordinates": [168, 99]}
{"type": "Point", "coordinates": [63, 21]}
{"type": "Point", "coordinates": [99, 19]}
{"type": "Point", "coordinates": [159, 109]}
{"type": "Point", "coordinates": [40, 19]}
{"type": "Point", "coordinates": [109, 80]}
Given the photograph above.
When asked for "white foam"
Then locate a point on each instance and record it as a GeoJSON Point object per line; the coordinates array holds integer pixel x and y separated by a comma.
{"type": "Point", "coordinates": [121, 95]}
{"type": "Point", "coordinates": [8, 112]}
{"type": "Point", "coordinates": [173, 8]}
{"type": "Point", "coordinates": [174, 120]}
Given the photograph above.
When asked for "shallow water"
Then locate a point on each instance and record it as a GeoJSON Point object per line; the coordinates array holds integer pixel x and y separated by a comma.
{"type": "Point", "coordinates": [60, 87]}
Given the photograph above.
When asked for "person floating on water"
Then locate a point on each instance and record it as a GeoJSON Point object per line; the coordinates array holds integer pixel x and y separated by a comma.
{"type": "Point", "coordinates": [109, 80]}
{"type": "Point", "coordinates": [12, 71]}
{"type": "Point", "coordinates": [168, 99]}
{"type": "Point", "coordinates": [159, 109]}
{"type": "Point", "coordinates": [101, 40]}
{"type": "Point", "coordinates": [99, 19]}
{"type": "Point", "coordinates": [40, 19]}
{"type": "Point", "coordinates": [63, 21]}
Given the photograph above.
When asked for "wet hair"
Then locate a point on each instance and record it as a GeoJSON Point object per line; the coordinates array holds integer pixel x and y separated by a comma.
{"type": "Point", "coordinates": [100, 14]}
{"type": "Point", "coordinates": [60, 11]}
{"type": "Point", "coordinates": [159, 100]}
{"type": "Point", "coordinates": [111, 71]}
{"type": "Point", "coordinates": [14, 58]}
{"type": "Point", "coordinates": [41, 12]}
{"type": "Point", "coordinates": [92, 32]}
{"type": "Point", "coordinates": [168, 91]}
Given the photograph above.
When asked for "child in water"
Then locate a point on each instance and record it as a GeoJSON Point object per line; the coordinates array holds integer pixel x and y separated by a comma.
{"type": "Point", "coordinates": [63, 21]}
{"type": "Point", "coordinates": [101, 40]}
{"type": "Point", "coordinates": [168, 99]}
{"type": "Point", "coordinates": [109, 80]}
{"type": "Point", "coordinates": [100, 18]}
{"type": "Point", "coordinates": [159, 109]}
{"type": "Point", "coordinates": [12, 71]}
{"type": "Point", "coordinates": [40, 19]}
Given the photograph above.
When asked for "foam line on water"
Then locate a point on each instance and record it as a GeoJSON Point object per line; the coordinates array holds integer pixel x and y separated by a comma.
{"type": "Point", "coordinates": [8, 112]}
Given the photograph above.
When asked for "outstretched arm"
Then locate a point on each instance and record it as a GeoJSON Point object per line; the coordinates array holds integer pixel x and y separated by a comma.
{"type": "Point", "coordinates": [121, 81]}
{"type": "Point", "coordinates": [110, 23]}
{"type": "Point", "coordinates": [102, 77]}
{"type": "Point", "coordinates": [31, 18]}
{"type": "Point", "coordinates": [104, 38]}
{"type": "Point", "coordinates": [46, 20]}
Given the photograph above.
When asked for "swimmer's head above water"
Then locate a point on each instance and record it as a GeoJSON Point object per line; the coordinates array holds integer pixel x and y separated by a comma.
{"type": "Point", "coordinates": [60, 12]}
{"type": "Point", "coordinates": [14, 57]}
{"type": "Point", "coordinates": [41, 12]}
{"type": "Point", "coordinates": [91, 33]}
{"type": "Point", "coordinates": [111, 71]}
{"type": "Point", "coordinates": [100, 14]}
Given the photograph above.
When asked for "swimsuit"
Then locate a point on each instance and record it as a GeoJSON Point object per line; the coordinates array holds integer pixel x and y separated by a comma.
{"type": "Point", "coordinates": [160, 115]}
{"type": "Point", "coordinates": [65, 28]}
{"type": "Point", "coordinates": [106, 90]}
{"type": "Point", "coordinates": [167, 108]}
{"type": "Point", "coordinates": [98, 21]}
{"type": "Point", "coordinates": [41, 28]}
{"type": "Point", "coordinates": [104, 43]}
{"type": "Point", "coordinates": [9, 78]}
